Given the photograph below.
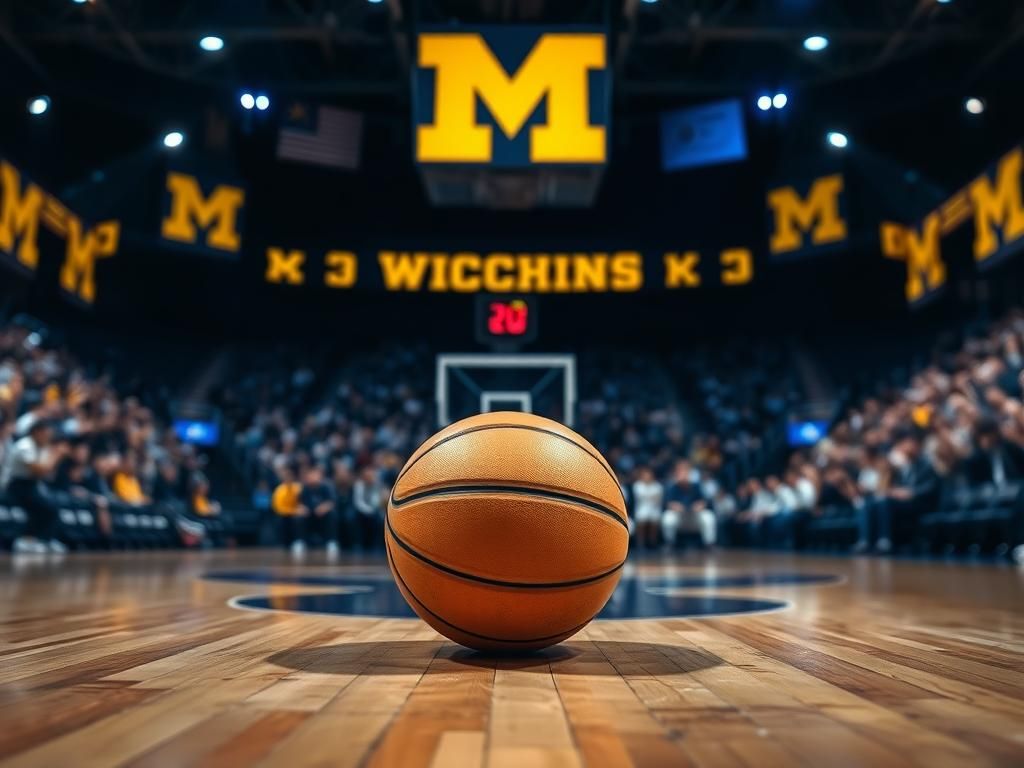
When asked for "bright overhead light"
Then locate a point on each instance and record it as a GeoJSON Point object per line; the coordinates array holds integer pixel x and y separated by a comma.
{"type": "Point", "coordinates": [248, 100]}
{"type": "Point", "coordinates": [816, 43]}
{"type": "Point", "coordinates": [974, 105]}
{"type": "Point", "coordinates": [780, 100]}
{"type": "Point", "coordinates": [38, 105]}
{"type": "Point", "coordinates": [262, 102]}
{"type": "Point", "coordinates": [650, 2]}
{"type": "Point", "coordinates": [375, 2]}
{"type": "Point", "coordinates": [174, 139]}
{"type": "Point", "coordinates": [80, 2]}
{"type": "Point", "coordinates": [764, 103]}
{"type": "Point", "coordinates": [837, 139]}
{"type": "Point", "coordinates": [211, 43]}
{"type": "Point", "coordinates": [944, 2]}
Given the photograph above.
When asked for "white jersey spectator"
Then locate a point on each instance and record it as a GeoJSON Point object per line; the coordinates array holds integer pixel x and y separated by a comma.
{"type": "Point", "coordinates": [648, 500]}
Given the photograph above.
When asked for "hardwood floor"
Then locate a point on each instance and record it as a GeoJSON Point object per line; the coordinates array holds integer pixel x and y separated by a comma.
{"type": "Point", "coordinates": [138, 660]}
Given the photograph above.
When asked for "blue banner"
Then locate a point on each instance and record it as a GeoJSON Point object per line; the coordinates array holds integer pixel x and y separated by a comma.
{"type": "Point", "coordinates": [704, 135]}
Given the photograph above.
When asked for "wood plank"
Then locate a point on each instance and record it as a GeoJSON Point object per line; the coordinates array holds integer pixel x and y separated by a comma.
{"type": "Point", "coordinates": [118, 659]}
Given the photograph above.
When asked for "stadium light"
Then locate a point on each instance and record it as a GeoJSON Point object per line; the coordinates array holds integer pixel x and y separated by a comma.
{"type": "Point", "coordinates": [38, 105]}
{"type": "Point", "coordinates": [764, 103]}
{"type": "Point", "coordinates": [262, 102]}
{"type": "Point", "coordinates": [837, 139]}
{"type": "Point", "coordinates": [248, 100]}
{"type": "Point", "coordinates": [780, 100]}
{"type": "Point", "coordinates": [816, 43]}
{"type": "Point", "coordinates": [174, 139]}
{"type": "Point", "coordinates": [212, 43]}
{"type": "Point", "coordinates": [974, 105]}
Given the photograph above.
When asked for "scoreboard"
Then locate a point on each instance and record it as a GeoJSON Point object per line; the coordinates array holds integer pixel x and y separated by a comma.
{"type": "Point", "coordinates": [506, 321]}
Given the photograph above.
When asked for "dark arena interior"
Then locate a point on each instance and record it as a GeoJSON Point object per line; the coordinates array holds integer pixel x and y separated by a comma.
{"type": "Point", "coordinates": [763, 258]}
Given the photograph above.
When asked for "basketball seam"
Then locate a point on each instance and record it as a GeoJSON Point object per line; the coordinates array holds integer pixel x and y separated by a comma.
{"type": "Point", "coordinates": [494, 582]}
{"type": "Point", "coordinates": [490, 490]}
{"type": "Point", "coordinates": [469, 430]}
{"type": "Point", "coordinates": [398, 576]}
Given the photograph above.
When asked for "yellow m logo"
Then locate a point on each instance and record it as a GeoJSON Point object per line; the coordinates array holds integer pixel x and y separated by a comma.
{"type": "Point", "coordinates": [19, 216]}
{"type": "Point", "coordinates": [998, 206]}
{"type": "Point", "coordinates": [556, 71]}
{"type": "Point", "coordinates": [817, 214]}
{"type": "Point", "coordinates": [84, 247]}
{"type": "Point", "coordinates": [922, 251]}
{"type": "Point", "coordinates": [191, 211]}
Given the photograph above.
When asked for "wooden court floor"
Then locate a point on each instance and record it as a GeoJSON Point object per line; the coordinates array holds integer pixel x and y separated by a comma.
{"type": "Point", "coordinates": [134, 659]}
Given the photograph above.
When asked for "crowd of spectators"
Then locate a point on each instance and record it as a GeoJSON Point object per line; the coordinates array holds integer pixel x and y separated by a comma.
{"type": "Point", "coordinates": [320, 448]}
{"type": "Point", "coordinates": [69, 439]}
{"type": "Point", "coordinates": [739, 395]}
{"type": "Point", "coordinates": [325, 466]}
{"type": "Point", "coordinates": [952, 438]}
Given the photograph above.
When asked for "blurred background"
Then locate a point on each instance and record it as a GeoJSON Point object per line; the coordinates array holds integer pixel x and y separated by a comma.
{"type": "Point", "coordinates": [785, 302]}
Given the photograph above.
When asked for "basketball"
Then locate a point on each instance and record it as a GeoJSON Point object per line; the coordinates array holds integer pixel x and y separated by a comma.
{"type": "Point", "coordinates": [506, 531]}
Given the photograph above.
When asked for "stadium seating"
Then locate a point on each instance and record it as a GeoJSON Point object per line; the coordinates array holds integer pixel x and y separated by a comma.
{"type": "Point", "coordinates": [724, 411]}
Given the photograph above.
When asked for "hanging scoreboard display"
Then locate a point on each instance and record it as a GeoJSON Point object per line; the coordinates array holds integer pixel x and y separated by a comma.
{"type": "Point", "coordinates": [506, 321]}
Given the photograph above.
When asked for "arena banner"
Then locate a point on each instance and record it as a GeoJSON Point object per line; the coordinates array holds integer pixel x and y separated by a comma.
{"type": "Point", "coordinates": [807, 217]}
{"type": "Point", "coordinates": [205, 215]}
{"type": "Point", "coordinates": [505, 271]}
{"type": "Point", "coordinates": [24, 206]}
{"type": "Point", "coordinates": [202, 214]}
{"type": "Point", "coordinates": [993, 202]}
{"type": "Point", "coordinates": [511, 96]}
{"type": "Point", "coordinates": [708, 134]}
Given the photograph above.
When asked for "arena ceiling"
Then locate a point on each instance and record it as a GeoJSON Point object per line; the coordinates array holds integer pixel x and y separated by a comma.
{"type": "Point", "coordinates": [662, 51]}
{"type": "Point", "coordinates": [895, 74]}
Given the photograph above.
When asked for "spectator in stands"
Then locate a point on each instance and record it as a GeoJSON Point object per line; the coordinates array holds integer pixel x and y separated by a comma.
{"type": "Point", "coordinates": [648, 505]}
{"type": "Point", "coordinates": [725, 507]}
{"type": "Point", "coordinates": [318, 497]}
{"type": "Point", "coordinates": [78, 480]}
{"type": "Point", "coordinates": [30, 461]}
{"type": "Point", "coordinates": [200, 503]}
{"type": "Point", "coordinates": [686, 508]}
{"type": "Point", "coordinates": [753, 499]}
{"type": "Point", "coordinates": [995, 461]}
{"type": "Point", "coordinates": [286, 502]}
{"type": "Point", "coordinates": [207, 512]}
{"type": "Point", "coordinates": [126, 485]}
{"type": "Point", "coordinates": [369, 497]}
{"type": "Point", "coordinates": [913, 491]}
{"type": "Point", "coordinates": [780, 526]}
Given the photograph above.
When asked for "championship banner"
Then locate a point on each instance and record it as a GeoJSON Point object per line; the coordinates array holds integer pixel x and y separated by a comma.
{"type": "Point", "coordinates": [24, 205]}
{"type": "Point", "coordinates": [993, 202]}
{"type": "Point", "coordinates": [511, 96]}
{"type": "Point", "coordinates": [502, 271]}
{"type": "Point", "coordinates": [202, 214]}
{"type": "Point", "coordinates": [206, 215]}
{"type": "Point", "coordinates": [997, 202]}
{"type": "Point", "coordinates": [807, 217]}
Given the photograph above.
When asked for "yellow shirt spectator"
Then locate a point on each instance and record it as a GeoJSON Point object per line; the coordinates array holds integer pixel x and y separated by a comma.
{"type": "Point", "coordinates": [127, 488]}
{"type": "Point", "coordinates": [202, 506]}
{"type": "Point", "coordinates": [285, 499]}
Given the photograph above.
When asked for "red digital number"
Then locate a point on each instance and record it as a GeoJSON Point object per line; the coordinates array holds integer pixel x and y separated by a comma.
{"type": "Point", "coordinates": [508, 319]}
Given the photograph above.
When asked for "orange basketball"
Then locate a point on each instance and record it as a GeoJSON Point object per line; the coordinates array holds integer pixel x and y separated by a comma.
{"type": "Point", "coordinates": [506, 531]}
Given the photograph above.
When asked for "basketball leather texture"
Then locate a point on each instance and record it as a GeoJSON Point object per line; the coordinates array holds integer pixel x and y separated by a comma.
{"type": "Point", "coordinates": [506, 531]}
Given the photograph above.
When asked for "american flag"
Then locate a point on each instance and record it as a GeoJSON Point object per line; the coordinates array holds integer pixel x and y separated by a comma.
{"type": "Point", "coordinates": [321, 136]}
